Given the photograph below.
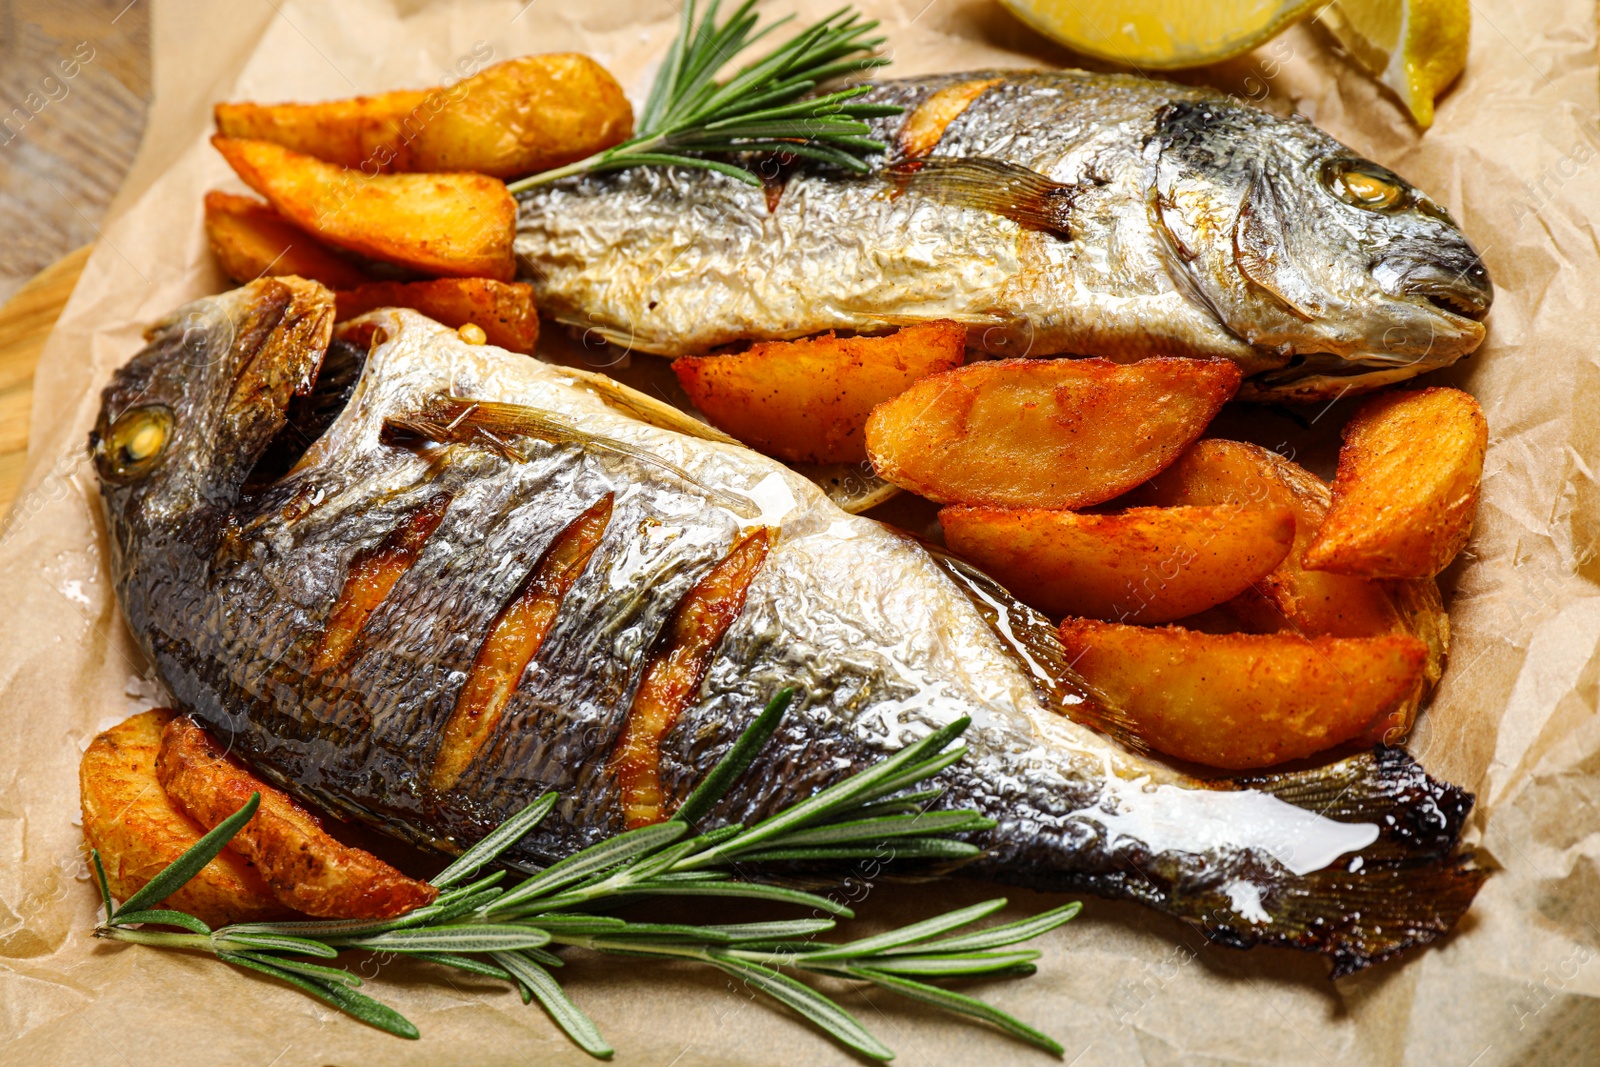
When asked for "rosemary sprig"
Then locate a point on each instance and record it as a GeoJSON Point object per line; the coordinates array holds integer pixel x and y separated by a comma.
{"type": "Point", "coordinates": [690, 116]}
{"type": "Point", "coordinates": [483, 926]}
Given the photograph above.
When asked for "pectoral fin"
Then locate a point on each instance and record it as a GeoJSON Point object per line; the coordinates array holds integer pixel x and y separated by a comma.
{"type": "Point", "coordinates": [1024, 196]}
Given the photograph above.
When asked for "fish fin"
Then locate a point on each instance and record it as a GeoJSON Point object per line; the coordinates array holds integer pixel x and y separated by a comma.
{"type": "Point", "coordinates": [1024, 196]}
{"type": "Point", "coordinates": [491, 423]}
{"type": "Point", "coordinates": [643, 406]}
{"type": "Point", "coordinates": [1420, 818]}
{"type": "Point", "coordinates": [1036, 645]}
{"type": "Point", "coordinates": [1260, 237]}
{"type": "Point", "coordinates": [1361, 918]}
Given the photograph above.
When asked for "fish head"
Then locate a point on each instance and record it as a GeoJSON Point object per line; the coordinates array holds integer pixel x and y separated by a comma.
{"type": "Point", "coordinates": [183, 423]}
{"type": "Point", "coordinates": [1342, 274]}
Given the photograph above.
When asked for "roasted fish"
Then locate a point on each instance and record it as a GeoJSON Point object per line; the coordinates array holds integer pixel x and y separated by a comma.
{"type": "Point", "coordinates": [1054, 212]}
{"type": "Point", "coordinates": [419, 582]}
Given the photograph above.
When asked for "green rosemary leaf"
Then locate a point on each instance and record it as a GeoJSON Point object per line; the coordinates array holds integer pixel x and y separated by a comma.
{"type": "Point", "coordinates": [749, 890]}
{"type": "Point", "coordinates": [687, 104]}
{"type": "Point", "coordinates": [917, 772]}
{"type": "Point", "coordinates": [885, 851]}
{"type": "Point", "coordinates": [576, 923]}
{"type": "Point", "coordinates": [466, 963]}
{"type": "Point", "coordinates": [176, 874]}
{"type": "Point", "coordinates": [165, 916]}
{"type": "Point", "coordinates": [481, 937]}
{"type": "Point", "coordinates": [770, 931]}
{"type": "Point", "coordinates": [495, 842]}
{"type": "Point", "coordinates": [612, 852]}
{"type": "Point", "coordinates": [310, 970]}
{"type": "Point", "coordinates": [345, 999]}
{"type": "Point", "coordinates": [100, 879]}
{"type": "Point", "coordinates": [972, 963]}
{"type": "Point", "coordinates": [850, 790]}
{"type": "Point", "coordinates": [274, 943]}
{"type": "Point", "coordinates": [900, 805]}
{"type": "Point", "coordinates": [668, 931]}
{"type": "Point", "coordinates": [560, 1007]}
{"type": "Point", "coordinates": [960, 1004]}
{"type": "Point", "coordinates": [751, 740]}
{"type": "Point", "coordinates": [830, 1017]}
{"type": "Point", "coordinates": [997, 936]}
{"type": "Point", "coordinates": [950, 920]}
{"type": "Point", "coordinates": [883, 828]}
{"type": "Point", "coordinates": [665, 159]}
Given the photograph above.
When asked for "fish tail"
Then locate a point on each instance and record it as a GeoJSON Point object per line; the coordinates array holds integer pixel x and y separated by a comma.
{"type": "Point", "coordinates": [1405, 888]}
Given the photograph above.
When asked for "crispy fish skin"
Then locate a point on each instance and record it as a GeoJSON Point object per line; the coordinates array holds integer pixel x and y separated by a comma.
{"type": "Point", "coordinates": [1184, 224]}
{"type": "Point", "coordinates": [228, 592]}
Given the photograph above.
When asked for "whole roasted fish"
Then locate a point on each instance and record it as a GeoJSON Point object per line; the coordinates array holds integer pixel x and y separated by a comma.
{"type": "Point", "coordinates": [421, 582]}
{"type": "Point", "coordinates": [1051, 211]}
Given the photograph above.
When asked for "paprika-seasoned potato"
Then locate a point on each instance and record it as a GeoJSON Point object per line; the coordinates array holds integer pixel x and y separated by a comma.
{"type": "Point", "coordinates": [1407, 486]}
{"type": "Point", "coordinates": [514, 118]}
{"type": "Point", "coordinates": [139, 830]}
{"type": "Point", "coordinates": [1048, 433]}
{"type": "Point", "coordinates": [250, 241]}
{"type": "Point", "coordinates": [1241, 701]}
{"type": "Point", "coordinates": [1142, 565]}
{"type": "Point", "coordinates": [807, 401]}
{"type": "Point", "coordinates": [305, 868]}
{"type": "Point", "coordinates": [505, 310]}
{"type": "Point", "coordinates": [1292, 598]}
{"type": "Point", "coordinates": [458, 225]}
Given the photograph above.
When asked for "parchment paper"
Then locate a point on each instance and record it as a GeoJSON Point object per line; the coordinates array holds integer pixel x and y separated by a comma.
{"type": "Point", "coordinates": [1513, 157]}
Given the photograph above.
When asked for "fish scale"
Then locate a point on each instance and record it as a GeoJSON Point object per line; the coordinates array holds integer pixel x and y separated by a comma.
{"type": "Point", "coordinates": [886, 639]}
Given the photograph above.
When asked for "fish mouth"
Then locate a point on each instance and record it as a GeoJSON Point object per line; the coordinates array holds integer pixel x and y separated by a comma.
{"type": "Point", "coordinates": [1459, 286]}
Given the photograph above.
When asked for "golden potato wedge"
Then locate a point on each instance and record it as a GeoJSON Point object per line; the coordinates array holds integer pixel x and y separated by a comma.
{"type": "Point", "coordinates": [139, 830]}
{"type": "Point", "coordinates": [305, 868]}
{"type": "Point", "coordinates": [505, 310]}
{"type": "Point", "coordinates": [250, 241]}
{"type": "Point", "coordinates": [519, 117]}
{"type": "Point", "coordinates": [807, 401]}
{"type": "Point", "coordinates": [1048, 433]}
{"type": "Point", "coordinates": [1292, 598]}
{"type": "Point", "coordinates": [459, 225]}
{"type": "Point", "coordinates": [1142, 565]}
{"type": "Point", "coordinates": [1407, 486]}
{"type": "Point", "coordinates": [1241, 701]}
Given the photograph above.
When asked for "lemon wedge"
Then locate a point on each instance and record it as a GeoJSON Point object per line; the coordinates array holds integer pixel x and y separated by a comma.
{"type": "Point", "coordinates": [1415, 47]}
{"type": "Point", "coordinates": [1162, 34]}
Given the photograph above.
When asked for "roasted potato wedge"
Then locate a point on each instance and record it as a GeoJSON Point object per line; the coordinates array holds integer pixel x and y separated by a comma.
{"type": "Point", "coordinates": [1407, 486]}
{"type": "Point", "coordinates": [305, 868]}
{"type": "Point", "coordinates": [1241, 701]}
{"type": "Point", "coordinates": [807, 401]}
{"type": "Point", "coordinates": [139, 830]}
{"type": "Point", "coordinates": [458, 225]}
{"type": "Point", "coordinates": [514, 118]}
{"type": "Point", "coordinates": [505, 310]}
{"type": "Point", "coordinates": [1292, 598]}
{"type": "Point", "coordinates": [1143, 565]}
{"type": "Point", "coordinates": [1047, 433]}
{"type": "Point", "coordinates": [250, 241]}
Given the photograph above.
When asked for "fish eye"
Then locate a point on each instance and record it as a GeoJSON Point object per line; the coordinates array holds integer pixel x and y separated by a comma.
{"type": "Point", "coordinates": [1362, 184]}
{"type": "Point", "coordinates": [133, 445]}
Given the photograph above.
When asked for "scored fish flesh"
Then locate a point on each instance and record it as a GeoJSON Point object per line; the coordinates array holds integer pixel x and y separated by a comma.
{"type": "Point", "coordinates": [420, 582]}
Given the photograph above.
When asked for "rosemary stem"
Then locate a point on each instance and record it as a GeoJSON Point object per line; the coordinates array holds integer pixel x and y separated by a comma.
{"type": "Point", "coordinates": [159, 938]}
{"type": "Point", "coordinates": [583, 166]}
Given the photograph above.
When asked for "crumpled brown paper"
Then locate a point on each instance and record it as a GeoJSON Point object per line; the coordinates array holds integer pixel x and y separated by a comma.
{"type": "Point", "coordinates": [1513, 155]}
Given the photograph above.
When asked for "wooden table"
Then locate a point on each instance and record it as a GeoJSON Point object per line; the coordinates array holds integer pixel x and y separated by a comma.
{"type": "Point", "coordinates": [80, 72]}
{"type": "Point", "coordinates": [25, 323]}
